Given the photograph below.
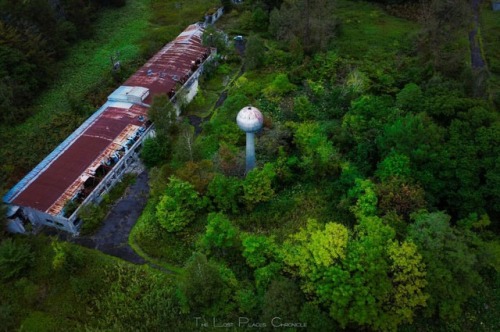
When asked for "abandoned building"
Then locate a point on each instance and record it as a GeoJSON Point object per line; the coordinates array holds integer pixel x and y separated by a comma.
{"type": "Point", "coordinates": [86, 165]}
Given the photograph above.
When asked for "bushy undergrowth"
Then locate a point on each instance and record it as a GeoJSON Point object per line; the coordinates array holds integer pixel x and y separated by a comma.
{"type": "Point", "coordinates": [92, 215]}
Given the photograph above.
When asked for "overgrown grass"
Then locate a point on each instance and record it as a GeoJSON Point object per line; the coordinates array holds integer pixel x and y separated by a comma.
{"type": "Point", "coordinates": [490, 33]}
{"type": "Point", "coordinates": [366, 29]}
{"type": "Point", "coordinates": [70, 288]}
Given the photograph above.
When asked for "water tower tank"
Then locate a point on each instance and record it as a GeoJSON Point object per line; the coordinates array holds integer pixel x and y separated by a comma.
{"type": "Point", "coordinates": [250, 119]}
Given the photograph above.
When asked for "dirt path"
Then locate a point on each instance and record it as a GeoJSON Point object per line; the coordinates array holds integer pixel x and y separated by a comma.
{"type": "Point", "coordinates": [112, 237]}
{"type": "Point", "coordinates": [477, 61]}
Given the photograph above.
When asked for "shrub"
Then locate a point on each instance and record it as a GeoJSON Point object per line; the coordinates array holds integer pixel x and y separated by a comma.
{"type": "Point", "coordinates": [178, 206]}
{"type": "Point", "coordinates": [15, 258]}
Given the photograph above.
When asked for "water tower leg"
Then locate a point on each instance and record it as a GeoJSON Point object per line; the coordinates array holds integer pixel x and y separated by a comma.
{"type": "Point", "coordinates": [250, 152]}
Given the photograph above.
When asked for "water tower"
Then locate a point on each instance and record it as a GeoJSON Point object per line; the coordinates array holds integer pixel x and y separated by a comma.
{"type": "Point", "coordinates": [250, 120]}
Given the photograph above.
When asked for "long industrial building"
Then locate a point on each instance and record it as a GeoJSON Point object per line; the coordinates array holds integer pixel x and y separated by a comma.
{"type": "Point", "coordinates": [94, 157]}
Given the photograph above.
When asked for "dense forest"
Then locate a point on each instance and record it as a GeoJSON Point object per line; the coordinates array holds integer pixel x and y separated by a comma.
{"type": "Point", "coordinates": [375, 203]}
{"type": "Point", "coordinates": [33, 36]}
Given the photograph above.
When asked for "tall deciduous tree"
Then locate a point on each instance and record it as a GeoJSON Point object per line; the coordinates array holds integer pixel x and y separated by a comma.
{"type": "Point", "coordinates": [258, 186]}
{"type": "Point", "coordinates": [366, 279]}
{"type": "Point", "coordinates": [178, 206]}
{"type": "Point", "coordinates": [451, 260]}
{"type": "Point", "coordinates": [224, 192]}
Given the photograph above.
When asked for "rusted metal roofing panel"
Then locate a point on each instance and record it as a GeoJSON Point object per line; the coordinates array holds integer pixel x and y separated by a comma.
{"type": "Point", "coordinates": [173, 63]}
{"type": "Point", "coordinates": [60, 179]}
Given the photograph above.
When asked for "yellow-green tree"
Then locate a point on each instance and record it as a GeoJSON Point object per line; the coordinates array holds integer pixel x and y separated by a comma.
{"type": "Point", "coordinates": [364, 279]}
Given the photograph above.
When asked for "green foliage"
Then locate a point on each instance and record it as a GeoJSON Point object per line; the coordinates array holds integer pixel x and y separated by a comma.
{"type": "Point", "coordinates": [303, 108]}
{"type": "Point", "coordinates": [264, 275]}
{"type": "Point", "coordinates": [16, 258]}
{"type": "Point", "coordinates": [135, 298]}
{"type": "Point", "coordinates": [258, 186]}
{"type": "Point", "coordinates": [215, 38]}
{"type": "Point", "coordinates": [310, 21]}
{"type": "Point", "coordinates": [367, 279]}
{"type": "Point", "coordinates": [408, 271]}
{"type": "Point", "coordinates": [279, 87]}
{"type": "Point", "coordinates": [452, 263]}
{"type": "Point", "coordinates": [38, 321]}
{"type": "Point", "coordinates": [394, 165]}
{"type": "Point", "coordinates": [178, 206]}
{"type": "Point", "coordinates": [410, 98]}
{"type": "Point", "coordinates": [68, 258]}
{"type": "Point", "coordinates": [220, 233]}
{"type": "Point", "coordinates": [199, 174]}
{"type": "Point", "coordinates": [206, 286]}
{"type": "Point", "coordinates": [318, 156]}
{"type": "Point", "coordinates": [224, 191]}
{"type": "Point", "coordinates": [154, 152]}
{"type": "Point", "coordinates": [254, 52]}
{"type": "Point", "coordinates": [314, 248]}
{"type": "Point", "coordinates": [91, 216]}
{"type": "Point", "coordinates": [258, 250]}
{"type": "Point", "coordinates": [163, 114]}
{"type": "Point", "coordinates": [247, 300]}
{"type": "Point", "coordinates": [283, 299]}
{"type": "Point", "coordinates": [315, 318]}
{"type": "Point", "coordinates": [366, 198]}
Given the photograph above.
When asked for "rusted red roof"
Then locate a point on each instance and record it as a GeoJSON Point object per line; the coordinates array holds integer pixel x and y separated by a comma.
{"type": "Point", "coordinates": [173, 62]}
{"type": "Point", "coordinates": [52, 183]}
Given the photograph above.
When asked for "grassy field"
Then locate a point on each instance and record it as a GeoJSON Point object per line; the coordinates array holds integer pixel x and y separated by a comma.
{"type": "Point", "coordinates": [71, 288]}
{"type": "Point", "coordinates": [490, 33]}
{"type": "Point", "coordinates": [365, 29]}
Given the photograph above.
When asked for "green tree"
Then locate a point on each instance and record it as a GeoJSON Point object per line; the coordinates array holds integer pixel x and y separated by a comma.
{"type": "Point", "coordinates": [279, 87]}
{"type": "Point", "coordinates": [199, 174]}
{"type": "Point", "coordinates": [178, 206]}
{"type": "Point", "coordinates": [366, 198]}
{"type": "Point", "coordinates": [451, 260]}
{"type": "Point", "coordinates": [153, 152]}
{"type": "Point", "coordinates": [255, 52]}
{"type": "Point", "coordinates": [314, 248]}
{"type": "Point", "coordinates": [318, 157]}
{"type": "Point", "coordinates": [410, 98]}
{"type": "Point", "coordinates": [206, 286]}
{"type": "Point", "coordinates": [219, 233]}
{"type": "Point", "coordinates": [367, 279]}
{"type": "Point", "coordinates": [394, 165]}
{"type": "Point", "coordinates": [164, 116]}
{"type": "Point", "coordinates": [283, 300]}
{"type": "Point", "coordinates": [258, 186]}
{"type": "Point", "coordinates": [258, 250]}
{"type": "Point", "coordinates": [225, 191]}
{"type": "Point", "coordinates": [16, 258]}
